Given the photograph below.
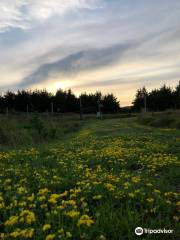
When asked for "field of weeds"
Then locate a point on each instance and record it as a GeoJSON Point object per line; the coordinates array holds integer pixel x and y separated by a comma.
{"type": "Point", "coordinates": [101, 182]}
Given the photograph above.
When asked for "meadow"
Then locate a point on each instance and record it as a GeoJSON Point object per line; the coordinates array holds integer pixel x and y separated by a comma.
{"type": "Point", "coordinates": [90, 180]}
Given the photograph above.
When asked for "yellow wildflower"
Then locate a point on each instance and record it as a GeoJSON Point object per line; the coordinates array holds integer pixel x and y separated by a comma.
{"type": "Point", "coordinates": [50, 237]}
{"type": "Point", "coordinates": [72, 214]}
{"type": "Point", "coordinates": [157, 191]}
{"type": "Point", "coordinates": [27, 216]}
{"type": "Point", "coordinates": [68, 235]}
{"type": "Point", "coordinates": [132, 195]}
{"type": "Point", "coordinates": [61, 231]}
{"type": "Point", "coordinates": [150, 200]}
{"type": "Point", "coordinates": [102, 237]}
{"type": "Point", "coordinates": [42, 198]}
{"type": "Point", "coordinates": [153, 210]}
{"type": "Point", "coordinates": [64, 194]}
{"type": "Point", "coordinates": [11, 221]}
{"type": "Point", "coordinates": [46, 227]}
{"type": "Point", "coordinates": [27, 233]}
{"type": "Point", "coordinates": [31, 198]}
{"type": "Point", "coordinates": [168, 201]}
{"type": "Point", "coordinates": [2, 205]}
{"type": "Point", "coordinates": [15, 234]}
{"type": "Point", "coordinates": [43, 191]}
{"type": "Point", "coordinates": [110, 187]}
{"type": "Point", "coordinates": [135, 179]}
{"type": "Point", "coordinates": [53, 198]}
{"type": "Point", "coordinates": [21, 190]}
{"type": "Point", "coordinates": [85, 220]}
{"type": "Point", "coordinates": [176, 218]}
{"type": "Point", "coordinates": [2, 236]}
{"type": "Point", "coordinates": [97, 197]}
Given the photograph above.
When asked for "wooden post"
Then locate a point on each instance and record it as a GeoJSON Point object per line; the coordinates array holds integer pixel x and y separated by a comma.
{"type": "Point", "coordinates": [52, 107]}
{"type": "Point", "coordinates": [99, 109]}
{"type": "Point", "coordinates": [145, 103]}
{"type": "Point", "coordinates": [27, 109]}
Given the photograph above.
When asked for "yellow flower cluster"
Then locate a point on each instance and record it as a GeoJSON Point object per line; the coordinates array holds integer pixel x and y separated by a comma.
{"type": "Point", "coordinates": [27, 217]}
{"type": "Point", "coordinates": [12, 221]}
{"type": "Point", "coordinates": [46, 227]}
{"type": "Point", "coordinates": [85, 220]}
{"type": "Point", "coordinates": [25, 233]}
{"type": "Point", "coordinates": [72, 214]}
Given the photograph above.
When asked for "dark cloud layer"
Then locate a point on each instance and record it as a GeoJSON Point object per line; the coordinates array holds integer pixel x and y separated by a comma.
{"type": "Point", "coordinates": [77, 62]}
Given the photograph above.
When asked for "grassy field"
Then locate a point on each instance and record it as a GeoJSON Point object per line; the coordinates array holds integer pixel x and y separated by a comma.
{"type": "Point", "coordinates": [100, 179]}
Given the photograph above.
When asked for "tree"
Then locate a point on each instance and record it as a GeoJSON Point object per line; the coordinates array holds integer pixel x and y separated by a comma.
{"type": "Point", "coordinates": [21, 101]}
{"type": "Point", "coordinates": [165, 98]}
{"type": "Point", "coordinates": [158, 99]}
{"type": "Point", "coordinates": [71, 102]}
{"type": "Point", "coordinates": [110, 104]}
{"type": "Point", "coordinates": [40, 100]}
{"type": "Point", "coordinates": [9, 98]}
{"type": "Point", "coordinates": [141, 99]}
{"type": "Point", "coordinates": [177, 96]}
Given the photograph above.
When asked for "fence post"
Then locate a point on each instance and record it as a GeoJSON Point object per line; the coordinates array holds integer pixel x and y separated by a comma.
{"type": "Point", "coordinates": [27, 109]}
{"type": "Point", "coordinates": [99, 114]}
{"type": "Point", "coordinates": [145, 103]}
{"type": "Point", "coordinates": [52, 107]}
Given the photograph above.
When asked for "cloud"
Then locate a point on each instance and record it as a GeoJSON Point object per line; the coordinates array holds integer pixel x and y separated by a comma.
{"type": "Point", "coordinates": [24, 14]}
{"type": "Point", "coordinates": [89, 44]}
{"type": "Point", "coordinates": [84, 60]}
{"type": "Point", "coordinates": [157, 75]}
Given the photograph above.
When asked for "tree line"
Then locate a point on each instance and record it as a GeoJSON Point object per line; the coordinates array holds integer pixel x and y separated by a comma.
{"type": "Point", "coordinates": [66, 101]}
{"type": "Point", "coordinates": [158, 99]}
{"type": "Point", "coordinates": [60, 102]}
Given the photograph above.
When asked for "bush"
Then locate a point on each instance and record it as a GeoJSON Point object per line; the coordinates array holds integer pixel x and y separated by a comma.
{"type": "Point", "coordinates": [23, 131]}
{"type": "Point", "coordinates": [161, 120]}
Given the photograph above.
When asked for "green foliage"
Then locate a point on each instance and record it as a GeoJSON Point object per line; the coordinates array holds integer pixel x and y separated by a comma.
{"type": "Point", "coordinates": [12, 134]}
{"type": "Point", "coordinates": [167, 119]}
{"type": "Point", "coordinates": [23, 131]}
{"type": "Point", "coordinates": [157, 99]}
{"type": "Point", "coordinates": [60, 102]}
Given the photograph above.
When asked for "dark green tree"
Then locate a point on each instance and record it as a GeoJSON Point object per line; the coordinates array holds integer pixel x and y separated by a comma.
{"type": "Point", "coordinates": [110, 104]}
{"type": "Point", "coordinates": [141, 99]}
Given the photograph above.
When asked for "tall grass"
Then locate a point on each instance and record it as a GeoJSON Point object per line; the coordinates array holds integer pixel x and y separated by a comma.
{"type": "Point", "coordinates": [168, 119]}
{"type": "Point", "coordinates": [23, 131]}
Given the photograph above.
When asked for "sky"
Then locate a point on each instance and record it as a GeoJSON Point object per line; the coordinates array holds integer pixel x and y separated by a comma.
{"type": "Point", "coordinates": [113, 46]}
